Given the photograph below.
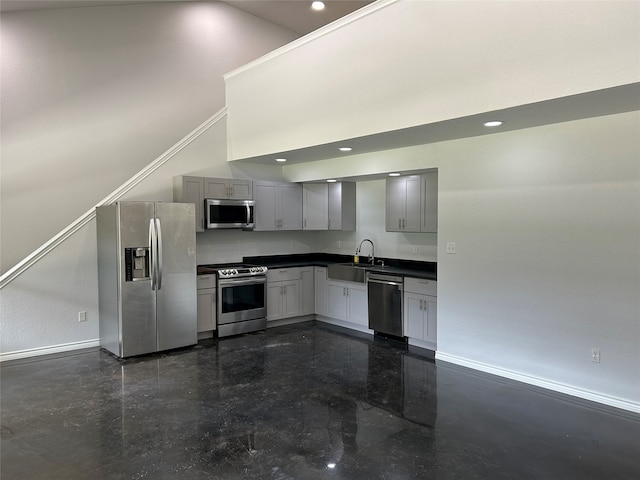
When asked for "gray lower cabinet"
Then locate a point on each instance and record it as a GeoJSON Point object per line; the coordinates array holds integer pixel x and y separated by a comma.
{"type": "Point", "coordinates": [421, 310]}
{"type": "Point", "coordinates": [348, 302]}
{"type": "Point", "coordinates": [307, 290]}
{"type": "Point", "coordinates": [321, 287]}
{"type": "Point", "coordinates": [206, 303]}
{"type": "Point", "coordinates": [283, 293]}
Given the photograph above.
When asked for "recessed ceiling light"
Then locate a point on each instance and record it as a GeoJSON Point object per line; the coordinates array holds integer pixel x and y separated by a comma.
{"type": "Point", "coordinates": [345, 149]}
{"type": "Point", "coordinates": [331, 180]}
{"type": "Point", "coordinates": [317, 5]}
{"type": "Point", "coordinates": [394, 174]}
{"type": "Point", "coordinates": [493, 123]}
{"type": "Point", "coordinates": [281, 159]}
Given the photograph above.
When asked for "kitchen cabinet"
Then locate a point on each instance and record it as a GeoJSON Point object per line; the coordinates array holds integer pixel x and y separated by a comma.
{"type": "Point", "coordinates": [307, 291]}
{"type": "Point", "coordinates": [321, 287]}
{"type": "Point", "coordinates": [348, 302]}
{"type": "Point", "coordinates": [278, 206]}
{"type": "Point", "coordinates": [420, 309]}
{"type": "Point", "coordinates": [429, 202]}
{"type": "Point", "coordinates": [206, 285]}
{"type": "Point", "coordinates": [412, 203]}
{"type": "Point", "coordinates": [191, 190]}
{"type": "Point", "coordinates": [283, 293]}
{"type": "Point", "coordinates": [228, 188]}
{"type": "Point", "coordinates": [342, 206]}
{"type": "Point", "coordinates": [329, 206]}
{"type": "Point", "coordinates": [403, 204]}
{"type": "Point", "coordinates": [315, 206]}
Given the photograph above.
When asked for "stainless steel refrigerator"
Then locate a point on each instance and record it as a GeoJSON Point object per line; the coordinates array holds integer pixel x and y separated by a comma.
{"type": "Point", "coordinates": [146, 277]}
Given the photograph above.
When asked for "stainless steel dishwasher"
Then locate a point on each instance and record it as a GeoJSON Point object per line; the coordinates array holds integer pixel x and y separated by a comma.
{"type": "Point", "coordinates": [384, 293]}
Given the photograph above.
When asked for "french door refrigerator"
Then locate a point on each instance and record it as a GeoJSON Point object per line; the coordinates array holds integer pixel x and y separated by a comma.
{"type": "Point", "coordinates": [146, 277]}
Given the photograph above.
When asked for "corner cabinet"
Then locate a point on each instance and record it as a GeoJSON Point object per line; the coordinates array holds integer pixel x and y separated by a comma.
{"type": "Point", "coordinates": [412, 203]}
{"type": "Point", "coordinates": [191, 190]}
{"type": "Point", "coordinates": [421, 311]}
{"type": "Point", "coordinates": [329, 206]}
{"type": "Point", "coordinates": [278, 206]}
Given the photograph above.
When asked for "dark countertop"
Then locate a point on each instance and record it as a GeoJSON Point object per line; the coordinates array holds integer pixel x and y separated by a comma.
{"type": "Point", "coordinates": [408, 268]}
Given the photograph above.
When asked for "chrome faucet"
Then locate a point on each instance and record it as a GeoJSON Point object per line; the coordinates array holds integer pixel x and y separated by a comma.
{"type": "Point", "coordinates": [372, 256]}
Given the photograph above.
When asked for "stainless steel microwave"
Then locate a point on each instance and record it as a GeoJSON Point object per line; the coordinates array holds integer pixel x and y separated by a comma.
{"type": "Point", "coordinates": [229, 214]}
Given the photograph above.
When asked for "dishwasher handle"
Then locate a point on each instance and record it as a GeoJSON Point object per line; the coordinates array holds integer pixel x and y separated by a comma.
{"type": "Point", "coordinates": [385, 279]}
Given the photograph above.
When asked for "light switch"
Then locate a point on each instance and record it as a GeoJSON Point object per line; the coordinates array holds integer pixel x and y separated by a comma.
{"type": "Point", "coordinates": [451, 247]}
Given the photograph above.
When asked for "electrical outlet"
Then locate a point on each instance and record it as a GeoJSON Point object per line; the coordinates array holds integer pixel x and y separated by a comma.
{"type": "Point", "coordinates": [82, 316]}
{"type": "Point", "coordinates": [595, 355]}
{"type": "Point", "coordinates": [416, 249]}
{"type": "Point", "coordinates": [451, 247]}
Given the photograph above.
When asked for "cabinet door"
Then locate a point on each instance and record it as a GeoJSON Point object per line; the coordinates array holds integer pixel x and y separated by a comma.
{"type": "Point", "coordinates": [191, 190]}
{"type": "Point", "coordinates": [321, 290]}
{"type": "Point", "coordinates": [357, 306]}
{"type": "Point", "coordinates": [337, 300]}
{"type": "Point", "coordinates": [429, 202]}
{"type": "Point", "coordinates": [412, 210]}
{"type": "Point", "coordinates": [240, 189]}
{"type": "Point", "coordinates": [290, 207]}
{"type": "Point", "coordinates": [334, 221]}
{"type": "Point", "coordinates": [215, 188]}
{"type": "Point", "coordinates": [431, 320]}
{"type": "Point", "coordinates": [206, 309]}
{"type": "Point", "coordinates": [274, 300]}
{"type": "Point", "coordinates": [290, 299]}
{"type": "Point", "coordinates": [395, 204]}
{"type": "Point", "coordinates": [315, 205]}
{"type": "Point", "coordinates": [307, 291]}
{"type": "Point", "coordinates": [414, 315]}
{"type": "Point", "coordinates": [265, 207]}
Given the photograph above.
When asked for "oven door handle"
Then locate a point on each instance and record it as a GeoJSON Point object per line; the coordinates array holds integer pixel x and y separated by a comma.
{"type": "Point", "coordinates": [230, 282]}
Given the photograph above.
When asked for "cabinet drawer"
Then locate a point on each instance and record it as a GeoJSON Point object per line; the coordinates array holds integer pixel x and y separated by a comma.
{"type": "Point", "coordinates": [421, 285]}
{"type": "Point", "coordinates": [206, 281]}
{"type": "Point", "coordinates": [282, 274]}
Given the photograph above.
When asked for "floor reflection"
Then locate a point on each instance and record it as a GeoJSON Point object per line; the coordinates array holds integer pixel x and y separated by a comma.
{"type": "Point", "coordinates": [300, 402]}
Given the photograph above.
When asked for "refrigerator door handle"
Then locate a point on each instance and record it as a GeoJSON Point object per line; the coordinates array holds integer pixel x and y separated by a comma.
{"type": "Point", "coordinates": [152, 253]}
{"type": "Point", "coordinates": [159, 253]}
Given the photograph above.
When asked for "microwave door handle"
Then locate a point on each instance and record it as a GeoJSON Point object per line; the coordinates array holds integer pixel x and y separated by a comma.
{"type": "Point", "coordinates": [152, 254]}
{"type": "Point", "coordinates": [248, 213]}
{"type": "Point", "coordinates": [159, 253]}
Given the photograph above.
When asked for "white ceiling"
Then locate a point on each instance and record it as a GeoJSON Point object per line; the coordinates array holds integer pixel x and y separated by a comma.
{"type": "Point", "coordinates": [294, 15]}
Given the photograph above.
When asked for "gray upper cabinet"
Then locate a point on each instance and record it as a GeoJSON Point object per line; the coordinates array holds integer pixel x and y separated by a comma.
{"type": "Point", "coordinates": [228, 188]}
{"type": "Point", "coordinates": [329, 206]}
{"type": "Point", "coordinates": [412, 203]}
{"type": "Point", "coordinates": [191, 190]}
{"type": "Point", "coordinates": [342, 206]}
{"type": "Point", "coordinates": [315, 206]}
{"type": "Point", "coordinates": [429, 203]}
{"type": "Point", "coordinates": [278, 206]}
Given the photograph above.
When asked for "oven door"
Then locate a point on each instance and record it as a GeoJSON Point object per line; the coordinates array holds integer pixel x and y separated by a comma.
{"type": "Point", "coordinates": [241, 299]}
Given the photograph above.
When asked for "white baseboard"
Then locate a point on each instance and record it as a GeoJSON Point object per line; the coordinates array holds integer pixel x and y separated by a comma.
{"type": "Point", "coordinates": [540, 382]}
{"type": "Point", "coordinates": [35, 352]}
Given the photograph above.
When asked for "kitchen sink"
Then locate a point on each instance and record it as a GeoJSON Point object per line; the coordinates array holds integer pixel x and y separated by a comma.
{"type": "Point", "coordinates": [348, 272]}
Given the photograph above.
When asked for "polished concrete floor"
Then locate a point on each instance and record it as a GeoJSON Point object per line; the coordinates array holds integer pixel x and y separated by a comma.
{"type": "Point", "coordinates": [300, 402]}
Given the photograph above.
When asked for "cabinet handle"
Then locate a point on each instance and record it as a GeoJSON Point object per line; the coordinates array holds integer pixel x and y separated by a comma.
{"type": "Point", "coordinates": [399, 223]}
{"type": "Point", "coordinates": [403, 223]}
{"type": "Point", "coordinates": [421, 304]}
{"type": "Point", "coordinates": [304, 224]}
{"type": "Point", "coordinates": [344, 292]}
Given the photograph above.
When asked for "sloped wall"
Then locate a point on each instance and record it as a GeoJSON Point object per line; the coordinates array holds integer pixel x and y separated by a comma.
{"type": "Point", "coordinates": [92, 95]}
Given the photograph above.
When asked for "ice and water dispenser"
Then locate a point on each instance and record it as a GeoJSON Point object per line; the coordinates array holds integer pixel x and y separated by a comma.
{"type": "Point", "coordinates": [136, 263]}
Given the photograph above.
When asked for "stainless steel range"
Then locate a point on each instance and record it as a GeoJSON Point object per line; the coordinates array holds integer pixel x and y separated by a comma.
{"type": "Point", "coordinates": [242, 298]}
